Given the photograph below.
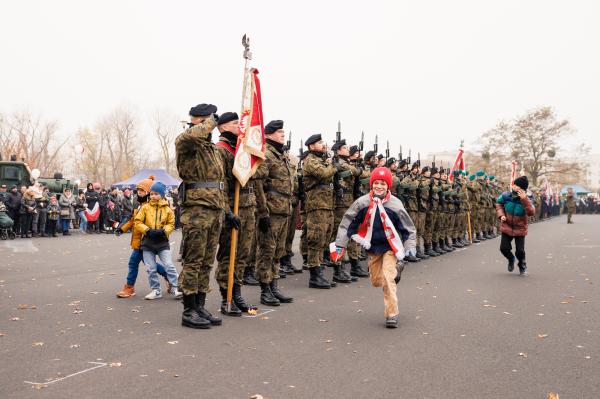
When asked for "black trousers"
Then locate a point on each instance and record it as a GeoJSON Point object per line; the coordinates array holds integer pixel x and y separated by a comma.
{"type": "Point", "coordinates": [506, 247]}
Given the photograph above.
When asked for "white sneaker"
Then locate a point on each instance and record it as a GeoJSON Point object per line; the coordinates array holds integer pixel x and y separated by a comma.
{"type": "Point", "coordinates": [176, 293]}
{"type": "Point", "coordinates": [154, 294]}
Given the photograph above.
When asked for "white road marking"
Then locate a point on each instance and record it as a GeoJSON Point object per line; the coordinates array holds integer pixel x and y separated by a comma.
{"type": "Point", "coordinates": [98, 365]}
{"type": "Point", "coordinates": [21, 245]}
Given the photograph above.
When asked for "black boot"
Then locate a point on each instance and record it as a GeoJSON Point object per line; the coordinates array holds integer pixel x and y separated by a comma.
{"type": "Point", "coordinates": [447, 248]}
{"type": "Point", "coordinates": [345, 270]}
{"type": "Point", "coordinates": [481, 236]}
{"type": "Point", "coordinates": [429, 251]}
{"type": "Point", "coordinates": [474, 239]}
{"type": "Point", "coordinates": [200, 301]}
{"type": "Point", "coordinates": [356, 270]}
{"type": "Point", "coordinates": [317, 280]}
{"type": "Point", "coordinates": [304, 262]}
{"type": "Point", "coordinates": [456, 243]}
{"type": "Point", "coordinates": [489, 235]}
{"type": "Point", "coordinates": [266, 296]}
{"type": "Point", "coordinates": [339, 276]}
{"type": "Point", "coordinates": [421, 254]}
{"type": "Point", "coordinates": [191, 318]}
{"type": "Point", "coordinates": [239, 300]}
{"type": "Point", "coordinates": [326, 259]}
{"type": "Point", "coordinates": [278, 294]}
{"type": "Point", "coordinates": [286, 265]}
{"type": "Point", "coordinates": [412, 259]}
{"type": "Point", "coordinates": [234, 311]}
{"type": "Point", "coordinates": [437, 248]}
{"type": "Point", "coordinates": [465, 242]}
{"type": "Point", "coordinates": [511, 264]}
{"type": "Point", "coordinates": [249, 276]}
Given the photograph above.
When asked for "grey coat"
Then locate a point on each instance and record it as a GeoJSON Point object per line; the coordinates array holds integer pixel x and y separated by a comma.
{"type": "Point", "coordinates": [393, 204]}
{"type": "Point", "coordinates": [67, 203]}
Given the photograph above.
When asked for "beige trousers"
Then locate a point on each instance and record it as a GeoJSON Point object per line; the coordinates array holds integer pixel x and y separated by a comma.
{"type": "Point", "coordinates": [382, 268]}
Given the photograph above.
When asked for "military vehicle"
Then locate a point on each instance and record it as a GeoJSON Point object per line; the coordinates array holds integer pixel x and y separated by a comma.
{"type": "Point", "coordinates": [18, 173]}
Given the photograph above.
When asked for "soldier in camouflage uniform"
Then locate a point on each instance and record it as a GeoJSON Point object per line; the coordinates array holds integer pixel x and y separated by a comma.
{"type": "Point", "coordinates": [407, 194]}
{"type": "Point", "coordinates": [474, 199]}
{"type": "Point", "coordinates": [274, 205]}
{"type": "Point", "coordinates": [459, 199]}
{"type": "Point", "coordinates": [446, 210]}
{"type": "Point", "coordinates": [318, 172]}
{"type": "Point", "coordinates": [244, 222]}
{"type": "Point", "coordinates": [345, 176]}
{"type": "Point", "coordinates": [354, 250]}
{"type": "Point", "coordinates": [203, 176]}
{"type": "Point", "coordinates": [411, 193]}
{"type": "Point", "coordinates": [429, 204]}
{"type": "Point", "coordinates": [286, 261]}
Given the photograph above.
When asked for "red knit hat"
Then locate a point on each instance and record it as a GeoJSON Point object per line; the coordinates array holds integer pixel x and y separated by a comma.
{"type": "Point", "coordinates": [381, 174]}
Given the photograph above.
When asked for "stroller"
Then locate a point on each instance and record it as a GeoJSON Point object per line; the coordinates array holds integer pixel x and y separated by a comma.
{"type": "Point", "coordinates": [6, 224]}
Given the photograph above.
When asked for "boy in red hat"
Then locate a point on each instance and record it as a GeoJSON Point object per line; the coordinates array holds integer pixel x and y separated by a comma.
{"type": "Point", "coordinates": [379, 222]}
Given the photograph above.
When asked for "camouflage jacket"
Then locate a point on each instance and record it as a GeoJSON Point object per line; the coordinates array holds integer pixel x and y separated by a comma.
{"type": "Point", "coordinates": [275, 176]}
{"type": "Point", "coordinates": [447, 196]}
{"type": "Point", "coordinates": [346, 178]}
{"type": "Point", "coordinates": [198, 161]}
{"type": "Point", "coordinates": [434, 194]}
{"type": "Point", "coordinates": [318, 183]}
{"type": "Point", "coordinates": [408, 187]}
{"type": "Point", "coordinates": [247, 197]}
{"type": "Point", "coordinates": [423, 193]}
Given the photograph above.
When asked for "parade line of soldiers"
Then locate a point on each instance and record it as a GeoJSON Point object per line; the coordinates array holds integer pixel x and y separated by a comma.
{"type": "Point", "coordinates": [447, 213]}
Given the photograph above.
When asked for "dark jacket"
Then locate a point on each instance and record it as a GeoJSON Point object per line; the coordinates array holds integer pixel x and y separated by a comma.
{"type": "Point", "coordinates": [516, 212]}
{"type": "Point", "coordinates": [127, 206]}
{"type": "Point", "coordinates": [13, 201]}
{"type": "Point", "coordinates": [91, 198]}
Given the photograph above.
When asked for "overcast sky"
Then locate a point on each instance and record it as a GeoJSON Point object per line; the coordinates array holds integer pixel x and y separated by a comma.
{"type": "Point", "coordinates": [422, 73]}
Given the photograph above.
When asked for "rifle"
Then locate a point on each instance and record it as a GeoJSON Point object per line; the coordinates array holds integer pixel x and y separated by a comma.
{"type": "Point", "coordinates": [375, 145]}
{"type": "Point", "coordinates": [400, 154]}
{"type": "Point", "coordinates": [301, 152]}
{"type": "Point", "coordinates": [408, 159]}
{"type": "Point", "coordinates": [387, 151]}
{"type": "Point", "coordinates": [361, 143]}
{"type": "Point", "coordinates": [338, 134]}
{"type": "Point", "coordinates": [288, 145]}
{"type": "Point", "coordinates": [433, 163]}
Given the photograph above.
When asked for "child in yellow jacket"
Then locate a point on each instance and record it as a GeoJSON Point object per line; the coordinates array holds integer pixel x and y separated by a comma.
{"type": "Point", "coordinates": [156, 221]}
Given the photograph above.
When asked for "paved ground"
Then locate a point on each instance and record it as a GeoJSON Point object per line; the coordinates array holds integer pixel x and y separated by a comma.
{"type": "Point", "coordinates": [468, 328]}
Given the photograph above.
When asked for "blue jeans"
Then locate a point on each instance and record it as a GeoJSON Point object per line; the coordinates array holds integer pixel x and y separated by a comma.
{"type": "Point", "coordinates": [83, 221]}
{"type": "Point", "coordinates": [165, 258]}
{"type": "Point", "coordinates": [65, 224]}
{"type": "Point", "coordinates": [135, 258]}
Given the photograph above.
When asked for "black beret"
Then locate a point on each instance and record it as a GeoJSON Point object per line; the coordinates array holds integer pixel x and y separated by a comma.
{"type": "Point", "coordinates": [434, 170]}
{"type": "Point", "coordinates": [390, 161]}
{"type": "Point", "coordinates": [228, 117]}
{"type": "Point", "coordinates": [403, 163]}
{"type": "Point", "coordinates": [425, 169]}
{"type": "Point", "coordinates": [354, 149]}
{"type": "Point", "coordinates": [369, 155]}
{"type": "Point", "coordinates": [273, 126]}
{"type": "Point", "coordinates": [312, 139]}
{"type": "Point", "coordinates": [416, 164]}
{"type": "Point", "coordinates": [338, 144]}
{"type": "Point", "coordinates": [203, 110]}
{"type": "Point", "coordinates": [380, 156]}
{"type": "Point", "coordinates": [522, 182]}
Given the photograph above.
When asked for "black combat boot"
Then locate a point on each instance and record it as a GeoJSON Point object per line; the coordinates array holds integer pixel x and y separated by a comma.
{"type": "Point", "coordinates": [326, 259]}
{"type": "Point", "coordinates": [363, 254]}
{"type": "Point", "coordinates": [249, 276]}
{"type": "Point", "coordinates": [266, 296]}
{"type": "Point", "coordinates": [339, 276]}
{"type": "Point", "coordinates": [200, 301]}
{"type": "Point", "coordinates": [429, 251]}
{"type": "Point", "coordinates": [239, 300]}
{"type": "Point", "coordinates": [191, 318]}
{"type": "Point", "coordinates": [447, 248]}
{"type": "Point", "coordinates": [234, 311]}
{"type": "Point", "coordinates": [356, 270]}
{"type": "Point", "coordinates": [304, 262]}
{"type": "Point", "coordinates": [317, 280]}
{"type": "Point", "coordinates": [286, 265]}
{"type": "Point", "coordinates": [346, 272]}
{"type": "Point", "coordinates": [474, 239]}
{"type": "Point", "coordinates": [489, 235]}
{"type": "Point", "coordinates": [412, 258]}
{"type": "Point", "coordinates": [421, 254]}
{"type": "Point", "coordinates": [435, 245]}
{"type": "Point", "coordinates": [391, 322]}
{"type": "Point", "coordinates": [456, 243]}
{"type": "Point", "coordinates": [278, 294]}
{"type": "Point", "coordinates": [481, 236]}
{"type": "Point", "coordinates": [465, 242]}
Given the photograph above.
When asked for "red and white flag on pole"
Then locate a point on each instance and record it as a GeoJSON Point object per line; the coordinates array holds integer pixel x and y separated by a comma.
{"type": "Point", "coordinates": [513, 172]}
{"type": "Point", "coordinates": [250, 151]}
{"type": "Point", "coordinates": [459, 164]}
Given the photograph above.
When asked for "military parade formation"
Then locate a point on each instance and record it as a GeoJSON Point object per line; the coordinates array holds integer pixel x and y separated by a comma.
{"type": "Point", "coordinates": [448, 209]}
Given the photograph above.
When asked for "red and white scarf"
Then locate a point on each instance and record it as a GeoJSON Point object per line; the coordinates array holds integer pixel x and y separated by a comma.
{"type": "Point", "coordinates": [92, 215]}
{"type": "Point", "coordinates": [365, 230]}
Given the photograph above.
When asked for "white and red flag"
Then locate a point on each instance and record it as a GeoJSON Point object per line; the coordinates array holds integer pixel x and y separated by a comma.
{"type": "Point", "coordinates": [513, 172]}
{"type": "Point", "coordinates": [250, 151]}
{"type": "Point", "coordinates": [459, 164]}
{"type": "Point", "coordinates": [93, 214]}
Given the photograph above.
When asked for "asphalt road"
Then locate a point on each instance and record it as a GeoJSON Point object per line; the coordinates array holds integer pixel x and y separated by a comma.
{"type": "Point", "coordinates": [468, 328]}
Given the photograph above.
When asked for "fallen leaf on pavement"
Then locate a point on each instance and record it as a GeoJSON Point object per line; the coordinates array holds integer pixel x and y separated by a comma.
{"type": "Point", "coordinates": [252, 312]}
{"type": "Point", "coordinates": [322, 320]}
{"type": "Point", "coordinates": [552, 395]}
{"type": "Point", "coordinates": [115, 364]}
{"type": "Point", "coordinates": [172, 342]}
{"type": "Point", "coordinates": [37, 344]}
{"type": "Point", "coordinates": [542, 335]}
{"type": "Point", "coordinates": [22, 306]}
{"type": "Point", "coordinates": [15, 319]}
{"type": "Point", "coordinates": [523, 354]}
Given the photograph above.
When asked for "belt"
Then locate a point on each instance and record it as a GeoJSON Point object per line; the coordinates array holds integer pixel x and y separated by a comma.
{"type": "Point", "coordinates": [278, 193]}
{"type": "Point", "coordinates": [205, 184]}
{"type": "Point", "coordinates": [323, 186]}
{"type": "Point", "coordinates": [247, 190]}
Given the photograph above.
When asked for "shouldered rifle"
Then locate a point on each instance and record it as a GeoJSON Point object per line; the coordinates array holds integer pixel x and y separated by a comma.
{"type": "Point", "coordinates": [400, 155]}
{"type": "Point", "coordinates": [408, 159]}
{"type": "Point", "coordinates": [361, 143]}
{"type": "Point", "coordinates": [387, 151]}
{"type": "Point", "coordinates": [375, 145]}
{"type": "Point", "coordinates": [289, 142]}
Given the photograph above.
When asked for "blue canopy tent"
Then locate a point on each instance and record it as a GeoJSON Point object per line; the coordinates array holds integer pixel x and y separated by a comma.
{"type": "Point", "coordinates": [577, 189]}
{"type": "Point", "coordinates": [160, 175]}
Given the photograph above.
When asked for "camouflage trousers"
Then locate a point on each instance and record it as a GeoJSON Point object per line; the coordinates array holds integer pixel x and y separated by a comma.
{"type": "Point", "coordinates": [291, 232]}
{"type": "Point", "coordinates": [201, 231]}
{"type": "Point", "coordinates": [431, 218]}
{"type": "Point", "coordinates": [338, 215]}
{"type": "Point", "coordinates": [319, 225]}
{"type": "Point", "coordinates": [243, 251]}
{"type": "Point", "coordinates": [270, 247]}
{"type": "Point", "coordinates": [415, 217]}
{"type": "Point", "coordinates": [303, 245]}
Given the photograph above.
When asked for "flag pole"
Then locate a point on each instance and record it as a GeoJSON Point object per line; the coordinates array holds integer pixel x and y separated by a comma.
{"type": "Point", "coordinates": [236, 193]}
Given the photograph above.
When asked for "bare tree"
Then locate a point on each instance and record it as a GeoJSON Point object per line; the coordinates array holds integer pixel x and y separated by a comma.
{"type": "Point", "coordinates": [533, 140]}
{"type": "Point", "coordinates": [166, 128]}
{"type": "Point", "coordinates": [92, 159]}
{"type": "Point", "coordinates": [33, 139]}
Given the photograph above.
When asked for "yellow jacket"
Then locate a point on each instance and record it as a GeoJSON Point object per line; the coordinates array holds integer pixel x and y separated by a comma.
{"type": "Point", "coordinates": [155, 215]}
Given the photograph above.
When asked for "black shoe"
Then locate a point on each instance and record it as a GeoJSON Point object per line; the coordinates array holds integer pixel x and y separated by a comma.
{"type": "Point", "coordinates": [446, 247]}
{"type": "Point", "coordinates": [190, 317]}
{"type": "Point", "coordinates": [200, 301]}
{"type": "Point", "coordinates": [421, 254]}
{"type": "Point", "coordinates": [249, 277]}
{"type": "Point", "coordinates": [266, 296]}
{"type": "Point", "coordinates": [475, 240]}
{"type": "Point", "coordinates": [429, 251]}
{"type": "Point", "coordinates": [345, 270]}
{"type": "Point", "coordinates": [481, 236]}
{"type": "Point", "coordinates": [327, 260]}
{"type": "Point", "coordinates": [436, 248]}
{"type": "Point", "coordinates": [464, 242]}
{"type": "Point", "coordinates": [278, 294]}
{"type": "Point", "coordinates": [317, 280]}
{"type": "Point", "coordinates": [286, 269]}
{"type": "Point", "coordinates": [511, 265]}
{"type": "Point", "coordinates": [455, 243]}
{"type": "Point", "coordinates": [412, 259]}
{"type": "Point", "coordinates": [285, 261]}
{"type": "Point", "coordinates": [239, 300]}
{"type": "Point", "coordinates": [523, 269]}
{"type": "Point", "coordinates": [489, 235]}
{"type": "Point", "coordinates": [234, 310]}
{"type": "Point", "coordinates": [339, 276]}
{"type": "Point", "coordinates": [391, 322]}
{"type": "Point", "coordinates": [356, 270]}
